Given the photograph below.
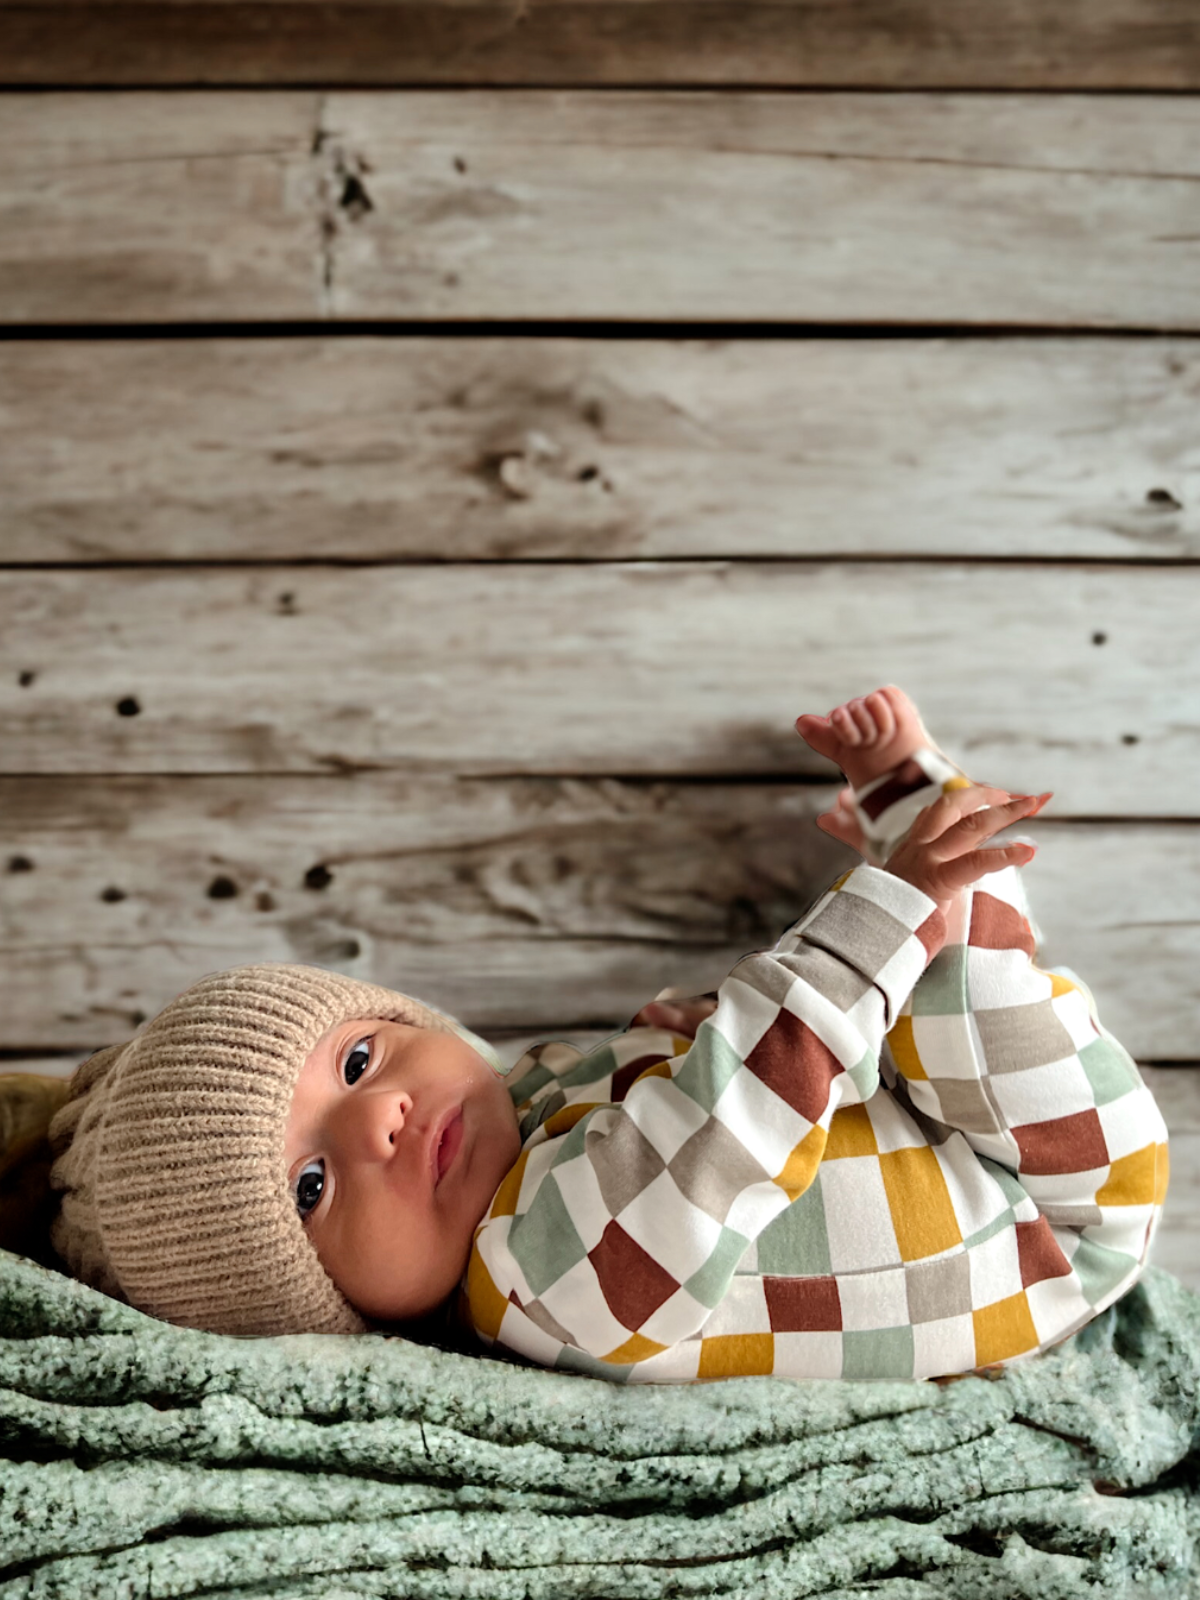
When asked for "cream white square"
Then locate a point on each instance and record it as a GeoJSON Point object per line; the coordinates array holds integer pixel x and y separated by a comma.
{"type": "Point", "coordinates": [1041, 1094]}
{"type": "Point", "coordinates": [581, 1195]}
{"type": "Point", "coordinates": [808, 1355]}
{"type": "Point", "coordinates": [670, 1228]}
{"type": "Point", "coordinates": [1131, 1124]}
{"type": "Point", "coordinates": [577, 1303]}
{"type": "Point", "coordinates": [943, 1347]}
{"type": "Point", "coordinates": [743, 1310]}
{"type": "Point", "coordinates": [949, 1046]}
{"type": "Point", "coordinates": [677, 1318]}
{"type": "Point", "coordinates": [995, 1269]}
{"type": "Point", "coordinates": [858, 1221]}
{"type": "Point", "coordinates": [760, 1120]}
{"type": "Point", "coordinates": [1003, 978]}
{"type": "Point", "coordinates": [1057, 1305]}
{"type": "Point", "coordinates": [678, 1364]}
{"type": "Point", "coordinates": [873, 1300]}
{"type": "Point", "coordinates": [744, 1012]}
{"type": "Point", "coordinates": [893, 1127]}
{"type": "Point", "coordinates": [661, 1111]}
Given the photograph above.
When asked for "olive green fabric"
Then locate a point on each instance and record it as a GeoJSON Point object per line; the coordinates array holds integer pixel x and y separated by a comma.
{"type": "Point", "coordinates": [144, 1459]}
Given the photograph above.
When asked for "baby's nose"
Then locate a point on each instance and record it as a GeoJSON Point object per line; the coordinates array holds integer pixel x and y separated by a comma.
{"type": "Point", "coordinates": [382, 1121]}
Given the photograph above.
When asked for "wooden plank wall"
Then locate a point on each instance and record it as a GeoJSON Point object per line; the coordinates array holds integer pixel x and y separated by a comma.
{"type": "Point", "coordinates": [443, 445]}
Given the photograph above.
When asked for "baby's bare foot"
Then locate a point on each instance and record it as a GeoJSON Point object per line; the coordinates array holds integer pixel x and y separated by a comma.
{"type": "Point", "coordinates": [868, 736]}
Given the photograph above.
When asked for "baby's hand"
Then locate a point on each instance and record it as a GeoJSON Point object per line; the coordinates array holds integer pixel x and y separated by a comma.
{"type": "Point", "coordinates": [681, 1016]}
{"type": "Point", "coordinates": [942, 852]}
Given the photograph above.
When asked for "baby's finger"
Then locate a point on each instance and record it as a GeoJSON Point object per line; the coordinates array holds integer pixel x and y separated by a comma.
{"type": "Point", "coordinates": [933, 821]}
{"type": "Point", "coordinates": [865, 721]}
{"type": "Point", "coordinates": [880, 708]}
{"type": "Point", "coordinates": [966, 833]}
{"type": "Point", "coordinates": [845, 726]}
{"type": "Point", "coordinates": [968, 869]}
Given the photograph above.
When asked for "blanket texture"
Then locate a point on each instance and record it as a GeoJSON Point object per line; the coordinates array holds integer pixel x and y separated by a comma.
{"type": "Point", "coordinates": [146, 1460]}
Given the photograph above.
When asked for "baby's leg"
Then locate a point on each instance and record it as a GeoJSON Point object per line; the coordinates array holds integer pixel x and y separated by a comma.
{"type": "Point", "coordinates": [1015, 1060]}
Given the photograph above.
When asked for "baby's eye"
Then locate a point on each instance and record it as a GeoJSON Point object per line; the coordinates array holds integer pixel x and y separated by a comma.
{"type": "Point", "coordinates": [309, 1186]}
{"type": "Point", "coordinates": [352, 1071]}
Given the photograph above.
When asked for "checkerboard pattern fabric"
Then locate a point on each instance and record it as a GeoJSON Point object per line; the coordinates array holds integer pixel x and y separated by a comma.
{"type": "Point", "coordinates": [898, 1148]}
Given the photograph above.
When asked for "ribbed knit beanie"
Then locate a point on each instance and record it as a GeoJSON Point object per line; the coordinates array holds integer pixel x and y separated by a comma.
{"type": "Point", "coordinates": [169, 1152]}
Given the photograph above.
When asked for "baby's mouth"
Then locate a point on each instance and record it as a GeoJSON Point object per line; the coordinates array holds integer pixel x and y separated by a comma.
{"type": "Point", "coordinates": [448, 1145]}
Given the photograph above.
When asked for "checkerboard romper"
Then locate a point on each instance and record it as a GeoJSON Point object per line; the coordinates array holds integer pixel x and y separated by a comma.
{"type": "Point", "coordinates": [897, 1149]}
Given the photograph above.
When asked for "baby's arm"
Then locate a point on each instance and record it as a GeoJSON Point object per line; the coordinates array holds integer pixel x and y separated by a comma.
{"type": "Point", "coordinates": [620, 1227]}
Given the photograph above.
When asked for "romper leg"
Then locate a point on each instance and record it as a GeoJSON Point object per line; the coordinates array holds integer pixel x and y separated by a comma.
{"type": "Point", "coordinates": [1014, 1058]}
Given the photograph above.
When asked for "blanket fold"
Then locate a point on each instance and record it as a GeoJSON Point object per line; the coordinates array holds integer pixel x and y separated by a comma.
{"type": "Point", "coordinates": [141, 1459]}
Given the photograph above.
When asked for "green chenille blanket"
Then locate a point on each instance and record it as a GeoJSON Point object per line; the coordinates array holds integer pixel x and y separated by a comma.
{"type": "Point", "coordinates": [141, 1459]}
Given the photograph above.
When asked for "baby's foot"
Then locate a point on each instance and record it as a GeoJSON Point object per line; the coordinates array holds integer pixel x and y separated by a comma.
{"type": "Point", "coordinates": [868, 736]}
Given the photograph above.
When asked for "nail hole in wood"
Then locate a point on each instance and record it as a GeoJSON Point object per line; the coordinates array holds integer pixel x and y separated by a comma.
{"type": "Point", "coordinates": [263, 901]}
{"type": "Point", "coordinates": [1099, 638]}
{"type": "Point", "coordinates": [112, 895]}
{"type": "Point", "coordinates": [222, 888]}
{"type": "Point", "coordinates": [20, 864]}
{"type": "Point", "coordinates": [318, 877]}
{"type": "Point", "coordinates": [26, 679]}
{"type": "Point", "coordinates": [128, 707]}
{"type": "Point", "coordinates": [1164, 499]}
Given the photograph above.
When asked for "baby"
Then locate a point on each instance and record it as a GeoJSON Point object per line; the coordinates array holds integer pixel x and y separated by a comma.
{"type": "Point", "coordinates": [894, 1147]}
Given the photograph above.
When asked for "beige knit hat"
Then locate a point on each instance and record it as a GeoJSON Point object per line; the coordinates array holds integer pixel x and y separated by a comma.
{"type": "Point", "coordinates": [170, 1152]}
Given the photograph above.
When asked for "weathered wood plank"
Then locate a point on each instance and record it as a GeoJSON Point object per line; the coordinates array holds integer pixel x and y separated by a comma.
{"type": "Point", "coordinates": [517, 903]}
{"type": "Point", "coordinates": [882, 44]}
{"type": "Point", "coordinates": [1079, 679]}
{"type": "Point", "coordinates": [493, 448]}
{"type": "Point", "coordinates": [1042, 210]}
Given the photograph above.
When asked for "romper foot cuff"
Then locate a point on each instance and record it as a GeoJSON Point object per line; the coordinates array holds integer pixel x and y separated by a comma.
{"type": "Point", "coordinates": [887, 806]}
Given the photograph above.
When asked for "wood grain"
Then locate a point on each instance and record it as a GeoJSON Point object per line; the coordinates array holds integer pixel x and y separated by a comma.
{"type": "Point", "coordinates": [982, 209]}
{"type": "Point", "coordinates": [512, 448]}
{"type": "Point", "coordinates": [1081, 679]}
{"type": "Point", "coordinates": [516, 904]}
{"type": "Point", "coordinates": [885, 44]}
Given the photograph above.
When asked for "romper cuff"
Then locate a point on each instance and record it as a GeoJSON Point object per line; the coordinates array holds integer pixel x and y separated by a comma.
{"type": "Point", "coordinates": [878, 924]}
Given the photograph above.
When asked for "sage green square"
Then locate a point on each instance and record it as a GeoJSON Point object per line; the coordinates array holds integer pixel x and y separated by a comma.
{"type": "Point", "coordinates": [710, 1282]}
{"type": "Point", "coordinates": [707, 1068]}
{"type": "Point", "coordinates": [1099, 1269]}
{"type": "Point", "coordinates": [795, 1244]}
{"type": "Point", "coordinates": [544, 1239]}
{"type": "Point", "coordinates": [1110, 1072]}
{"type": "Point", "coordinates": [941, 990]}
{"type": "Point", "coordinates": [879, 1353]}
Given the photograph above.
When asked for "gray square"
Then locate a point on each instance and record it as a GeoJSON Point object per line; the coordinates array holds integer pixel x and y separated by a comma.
{"type": "Point", "coordinates": [938, 1289]}
{"type": "Point", "coordinates": [965, 1105]}
{"type": "Point", "coordinates": [1015, 1038]}
{"type": "Point", "coordinates": [713, 1167]}
{"type": "Point", "coordinates": [859, 931]}
{"type": "Point", "coordinates": [630, 1164]}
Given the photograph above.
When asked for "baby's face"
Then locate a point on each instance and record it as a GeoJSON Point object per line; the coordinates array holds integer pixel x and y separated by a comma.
{"type": "Point", "coordinates": [397, 1139]}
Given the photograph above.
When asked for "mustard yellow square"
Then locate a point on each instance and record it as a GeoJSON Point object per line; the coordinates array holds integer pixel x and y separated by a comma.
{"type": "Point", "coordinates": [803, 1162]}
{"type": "Point", "coordinates": [504, 1202]}
{"type": "Point", "coordinates": [904, 1049]}
{"type": "Point", "coordinates": [1133, 1180]}
{"type": "Point", "coordinates": [563, 1121]}
{"type": "Point", "coordinates": [922, 1210]}
{"type": "Point", "coordinates": [1003, 1330]}
{"type": "Point", "coordinates": [1162, 1174]}
{"type": "Point", "coordinates": [636, 1348]}
{"type": "Point", "coordinates": [487, 1304]}
{"type": "Point", "coordinates": [737, 1355]}
{"type": "Point", "coordinates": [850, 1134]}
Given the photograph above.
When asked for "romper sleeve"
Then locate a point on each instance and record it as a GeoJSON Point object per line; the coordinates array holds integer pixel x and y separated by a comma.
{"type": "Point", "coordinates": [620, 1226]}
